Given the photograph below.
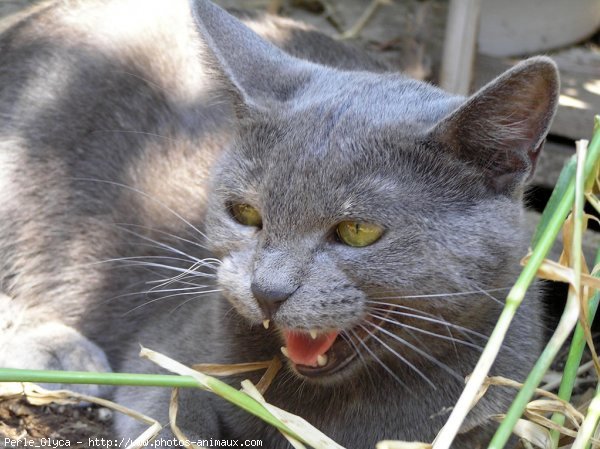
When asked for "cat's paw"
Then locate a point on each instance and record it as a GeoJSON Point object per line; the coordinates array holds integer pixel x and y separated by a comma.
{"type": "Point", "coordinates": [50, 346]}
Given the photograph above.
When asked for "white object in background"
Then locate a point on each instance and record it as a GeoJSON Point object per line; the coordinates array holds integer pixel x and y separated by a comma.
{"type": "Point", "coordinates": [524, 27]}
{"type": "Point", "coordinates": [460, 46]}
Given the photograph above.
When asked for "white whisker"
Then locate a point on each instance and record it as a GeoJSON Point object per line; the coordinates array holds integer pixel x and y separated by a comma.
{"type": "Point", "coordinates": [442, 295]}
{"type": "Point", "coordinates": [168, 290]}
{"type": "Point", "coordinates": [493, 298]}
{"type": "Point", "coordinates": [177, 269]}
{"type": "Point", "coordinates": [379, 361]}
{"type": "Point", "coordinates": [428, 317]}
{"type": "Point", "coordinates": [160, 244]}
{"type": "Point", "coordinates": [147, 292]}
{"type": "Point", "coordinates": [403, 359]}
{"type": "Point", "coordinates": [179, 281]}
{"type": "Point", "coordinates": [144, 194]}
{"type": "Point", "coordinates": [191, 299]}
{"type": "Point", "coordinates": [133, 258]}
{"type": "Point", "coordinates": [348, 339]}
{"type": "Point", "coordinates": [423, 331]}
{"type": "Point", "coordinates": [177, 278]}
{"type": "Point", "coordinates": [198, 294]}
{"type": "Point", "coordinates": [415, 349]}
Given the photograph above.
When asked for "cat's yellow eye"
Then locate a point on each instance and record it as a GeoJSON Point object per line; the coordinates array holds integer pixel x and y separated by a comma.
{"type": "Point", "coordinates": [358, 233]}
{"type": "Point", "coordinates": [246, 215]}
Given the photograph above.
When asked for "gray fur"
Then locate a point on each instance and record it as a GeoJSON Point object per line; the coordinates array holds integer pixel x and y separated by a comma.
{"type": "Point", "coordinates": [131, 137]}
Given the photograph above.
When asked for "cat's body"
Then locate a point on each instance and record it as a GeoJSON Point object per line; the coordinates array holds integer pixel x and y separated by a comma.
{"type": "Point", "coordinates": [116, 115]}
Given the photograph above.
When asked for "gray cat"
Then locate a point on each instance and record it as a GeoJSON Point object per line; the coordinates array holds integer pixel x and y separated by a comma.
{"type": "Point", "coordinates": [170, 178]}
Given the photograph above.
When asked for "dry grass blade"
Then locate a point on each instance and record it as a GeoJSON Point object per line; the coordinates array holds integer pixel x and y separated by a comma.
{"type": "Point", "coordinates": [589, 427]}
{"type": "Point", "coordinates": [310, 434]}
{"type": "Point", "coordinates": [586, 294]}
{"type": "Point", "coordinates": [253, 392]}
{"type": "Point", "coordinates": [222, 370]}
{"type": "Point", "coordinates": [175, 367]}
{"type": "Point", "coordinates": [567, 407]}
{"type": "Point", "coordinates": [37, 395]}
{"type": "Point", "coordinates": [267, 378]}
{"type": "Point", "coordinates": [536, 412]}
{"type": "Point", "coordinates": [537, 409]}
{"type": "Point", "coordinates": [566, 254]}
{"type": "Point", "coordinates": [593, 200]}
{"type": "Point", "coordinates": [534, 434]}
{"type": "Point", "coordinates": [173, 409]}
{"type": "Point", "coordinates": [296, 429]}
{"type": "Point", "coordinates": [556, 379]}
{"type": "Point", "coordinates": [541, 420]}
{"type": "Point", "coordinates": [554, 271]}
{"type": "Point", "coordinates": [272, 367]}
{"type": "Point", "coordinates": [389, 444]}
{"type": "Point", "coordinates": [536, 429]}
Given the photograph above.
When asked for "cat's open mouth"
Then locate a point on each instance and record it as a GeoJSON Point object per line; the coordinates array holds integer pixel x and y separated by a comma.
{"type": "Point", "coordinates": [317, 354]}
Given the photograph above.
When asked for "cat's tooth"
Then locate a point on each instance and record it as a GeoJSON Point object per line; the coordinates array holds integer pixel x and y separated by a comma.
{"type": "Point", "coordinates": [266, 323]}
{"type": "Point", "coordinates": [313, 334]}
{"type": "Point", "coordinates": [284, 351]}
{"type": "Point", "coordinates": [322, 360]}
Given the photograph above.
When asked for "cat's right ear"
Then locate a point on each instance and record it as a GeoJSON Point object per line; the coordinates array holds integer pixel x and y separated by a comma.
{"type": "Point", "coordinates": [256, 72]}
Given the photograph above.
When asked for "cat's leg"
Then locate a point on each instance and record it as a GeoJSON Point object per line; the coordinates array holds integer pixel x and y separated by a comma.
{"type": "Point", "coordinates": [51, 345]}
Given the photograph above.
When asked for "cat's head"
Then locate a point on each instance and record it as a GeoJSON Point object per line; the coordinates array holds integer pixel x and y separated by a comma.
{"type": "Point", "coordinates": [352, 207]}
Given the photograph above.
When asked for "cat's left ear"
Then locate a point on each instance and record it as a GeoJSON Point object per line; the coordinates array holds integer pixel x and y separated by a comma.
{"type": "Point", "coordinates": [256, 71]}
{"type": "Point", "coordinates": [502, 128]}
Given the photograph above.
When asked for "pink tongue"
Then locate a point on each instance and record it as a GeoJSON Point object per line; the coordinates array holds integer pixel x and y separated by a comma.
{"type": "Point", "coordinates": [303, 350]}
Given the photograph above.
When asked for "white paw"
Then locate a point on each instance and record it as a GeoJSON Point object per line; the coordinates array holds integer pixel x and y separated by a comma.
{"type": "Point", "coordinates": [48, 346]}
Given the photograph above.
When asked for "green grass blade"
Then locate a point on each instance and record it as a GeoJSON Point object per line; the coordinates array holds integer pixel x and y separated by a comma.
{"type": "Point", "coordinates": [543, 244]}
{"type": "Point", "coordinates": [586, 431]}
{"type": "Point", "coordinates": [566, 181]}
{"type": "Point", "coordinates": [88, 377]}
{"type": "Point", "coordinates": [224, 390]}
{"type": "Point", "coordinates": [569, 317]}
{"type": "Point", "coordinates": [574, 361]}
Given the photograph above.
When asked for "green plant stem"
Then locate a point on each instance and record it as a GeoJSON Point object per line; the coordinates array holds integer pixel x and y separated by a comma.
{"type": "Point", "coordinates": [86, 377]}
{"type": "Point", "coordinates": [513, 300]}
{"type": "Point", "coordinates": [566, 180]}
{"type": "Point", "coordinates": [597, 395]}
{"type": "Point", "coordinates": [589, 424]}
{"type": "Point", "coordinates": [570, 315]}
{"type": "Point", "coordinates": [573, 362]}
{"type": "Point", "coordinates": [544, 242]}
{"type": "Point", "coordinates": [224, 390]}
{"type": "Point", "coordinates": [245, 402]}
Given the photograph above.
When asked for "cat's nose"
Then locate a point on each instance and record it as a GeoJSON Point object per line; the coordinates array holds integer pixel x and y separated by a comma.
{"type": "Point", "coordinates": [269, 300]}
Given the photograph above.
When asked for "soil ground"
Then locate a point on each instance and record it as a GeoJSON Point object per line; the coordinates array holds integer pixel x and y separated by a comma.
{"type": "Point", "coordinates": [22, 424]}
